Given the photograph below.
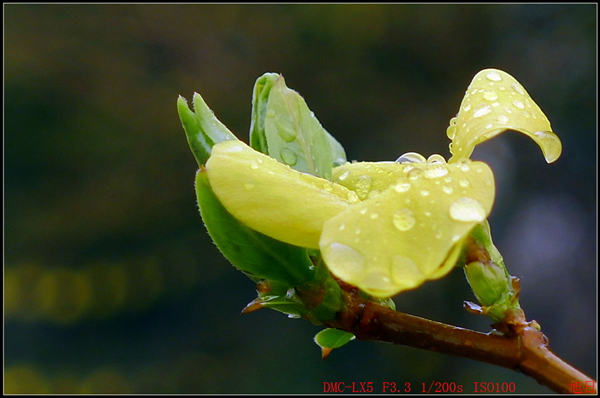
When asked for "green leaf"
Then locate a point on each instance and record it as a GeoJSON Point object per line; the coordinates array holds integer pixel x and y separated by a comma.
{"type": "Point", "coordinates": [333, 338]}
{"type": "Point", "coordinates": [202, 129]}
{"type": "Point", "coordinates": [248, 250]}
{"type": "Point", "coordinates": [292, 133]}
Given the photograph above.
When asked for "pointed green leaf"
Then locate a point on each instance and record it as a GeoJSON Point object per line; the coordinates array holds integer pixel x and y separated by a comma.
{"type": "Point", "coordinates": [293, 134]}
{"type": "Point", "coordinates": [202, 129]}
{"type": "Point", "coordinates": [260, 96]}
{"type": "Point", "coordinates": [333, 338]}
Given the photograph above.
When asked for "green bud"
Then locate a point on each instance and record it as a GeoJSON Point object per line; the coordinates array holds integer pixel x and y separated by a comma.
{"type": "Point", "coordinates": [488, 281]}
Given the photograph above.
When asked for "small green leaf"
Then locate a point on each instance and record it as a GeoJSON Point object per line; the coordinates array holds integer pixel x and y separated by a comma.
{"type": "Point", "coordinates": [248, 250]}
{"type": "Point", "coordinates": [202, 129]}
{"type": "Point", "coordinates": [329, 339]}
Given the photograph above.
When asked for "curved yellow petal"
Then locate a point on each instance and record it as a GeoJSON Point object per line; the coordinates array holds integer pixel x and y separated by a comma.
{"type": "Point", "coordinates": [494, 102]}
{"type": "Point", "coordinates": [410, 232]}
{"type": "Point", "coordinates": [272, 198]}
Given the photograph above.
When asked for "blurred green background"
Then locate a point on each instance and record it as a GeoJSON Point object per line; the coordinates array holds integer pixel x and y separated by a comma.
{"type": "Point", "coordinates": [111, 281]}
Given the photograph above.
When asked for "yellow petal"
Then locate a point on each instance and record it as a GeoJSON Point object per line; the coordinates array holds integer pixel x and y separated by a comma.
{"type": "Point", "coordinates": [494, 102]}
{"type": "Point", "coordinates": [410, 232]}
{"type": "Point", "coordinates": [272, 198]}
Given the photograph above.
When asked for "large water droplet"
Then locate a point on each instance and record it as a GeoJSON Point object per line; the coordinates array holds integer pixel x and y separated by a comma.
{"type": "Point", "coordinates": [403, 219]}
{"type": "Point", "coordinates": [288, 156]}
{"type": "Point", "coordinates": [436, 158]}
{"type": "Point", "coordinates": [363, 186]}
{"type": "Point", "coordinates": [403, 269]}
{"type": "Point", "coordinates": [467, 210]}
{"type": "Point", "coordinates": [493, 76]}
{"type": "Point", "coordinates": [346, 262]}
{"type": "Point", "coordinates": [411, 157]}
{"type": "Point", "coordinates": [435, 171]}
{"type": "Point", "coordinates": [377, 280]}
{"type": "Point", "coordinates": [482, 110]}
{"type": "Point", "coordinates": [286, 133]}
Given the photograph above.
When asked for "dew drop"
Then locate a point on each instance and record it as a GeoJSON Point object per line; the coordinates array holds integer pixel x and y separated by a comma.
{"type": "Point", "coordinates": [517, 87]}
{"type": "Point", "coordinates": [342, 227]}
{"type": "Point", "coordinates": [403, 219]}
{"type": "Point", "coordinates": [363, 186]}
{"type": "Point", "coordinates": [411, 157]}
{"type": "Point", "coordinates": [377, 280]}
{"type": "Point", "coordinates": [464, 167]}
{"type": "Point", "coordinates": [518, 104]}
{"type": "Point", "coordinates": [436, 158]}
{"type": "Point", "coordinates": [344, 175]}
{"type": "Point", "coordinates": [424, 192]}
{"type": "Point", "coordinates": [373, 216]}
{"type": "Point", "coordinates": [253, 165]}
{"type": "Point", "coordinates": [402, 185]}
{"type": "Point", "coordinates": [502, 119]}
{"type": "Point", "coordinates": [373, 193]}
{"type": "Point", "coordinates": [236, 149]}
{"type": "Point", "coordinates": [447, 189]}
{"type": "Point", "coordinates": [288, 156]}
{"type": "Point", "coordinates": [352, 197]}
{"type": "Point", "coordinates": [435, 171]}
{"type": "Point", "coordinates": [482, 110]}
{"type": "Point", "coordinates": [490, 95]}
{"type": "Point", "coordinates": [467, 107]}
{"type": "Point", "coordinates": [346, 262]}
{"type": "Point", "coordinates": [413, 174]}
{"type": "Point", "coordinates": [363, 210]}
{"type": "Point", "coordinates": [493, 76]}
{"type": "Point", "coordinates": [463, 183]}
{"type": "Point", "coordinates": [271, 113]}
{"type": "Point", "coordinates": [467, 210]}
{"type": "Point", "coordinates": [438, 234]}
{"type": "Point", "coordinates": [403, 269]}
{"type": "Point", "coordinates": [286, 133]}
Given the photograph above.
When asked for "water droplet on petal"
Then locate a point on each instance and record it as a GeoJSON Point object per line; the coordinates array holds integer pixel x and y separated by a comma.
{"type": "Point", "coordinates": [374, 216]}
{"type": "Point", "coordinates": [518, 88]}
{"type": "Point", "coordinates": [424, 192]}
{"type": "Point", "coordinates": [288, 156]}
{"type": "Point", "coordinates": [403, 269]}
{"type": "Point", "coordinates": [363, 210]}
{"type": "Point", "coordinates": [447, 189]}
{"type": "Point", "coordinates": [490, 95]}
{"type": "Point", "coordinates": [363, 186]}
{"type": "Point", "coordinates": [413, 174]}
{"type": "Point", "coordinates": [467, 107]}
{"type": "Point", "coordinates": [253, 165]}
{"type": "Point", "coordinates": [467, 210]}
{"type": "Point", "coordinates": [347, 263]}
{"type": "Point", "coordinates": [493, 76]}
{"type": "Point", "coordinates": [482, 110]}
{"type": "Point", "coordinates": [436, 158]}
{"type": "Point", "coordinates": [377, 280]}
{"type": "Point", "coordinates": [352, 197]}
{"type": "Point", "coordinates": [402, 185]}
{"type": "Point", "coordinates": [411, 157]}
{"type": "Point", "coordinates": [502, 119]}
{"type": "Point", "coordinates": [344, 175]}
{"type": "Point", "coordinates": [518, 104]}
{"type": "Point", "coordinates": [435, 171]}
{"type": "Point", "coordinates": [403, 219]}
{"type": "Point", "coordinates": [463, 183]}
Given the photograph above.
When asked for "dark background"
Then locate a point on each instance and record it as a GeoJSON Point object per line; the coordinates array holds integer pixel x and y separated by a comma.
{"type": "Point", "coordinates": [111, 281]}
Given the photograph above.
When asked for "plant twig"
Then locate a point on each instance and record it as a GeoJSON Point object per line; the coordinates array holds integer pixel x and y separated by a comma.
{"type": "Point", "coordinates": [526, 351]}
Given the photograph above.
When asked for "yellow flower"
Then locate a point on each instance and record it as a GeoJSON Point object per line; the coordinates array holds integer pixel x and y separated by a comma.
{"type": "Point", "coordinates": [388, 226]}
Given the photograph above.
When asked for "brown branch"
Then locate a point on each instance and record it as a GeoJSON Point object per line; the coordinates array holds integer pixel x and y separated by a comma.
{"type": "Point", "coordinates": [526, 351]}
